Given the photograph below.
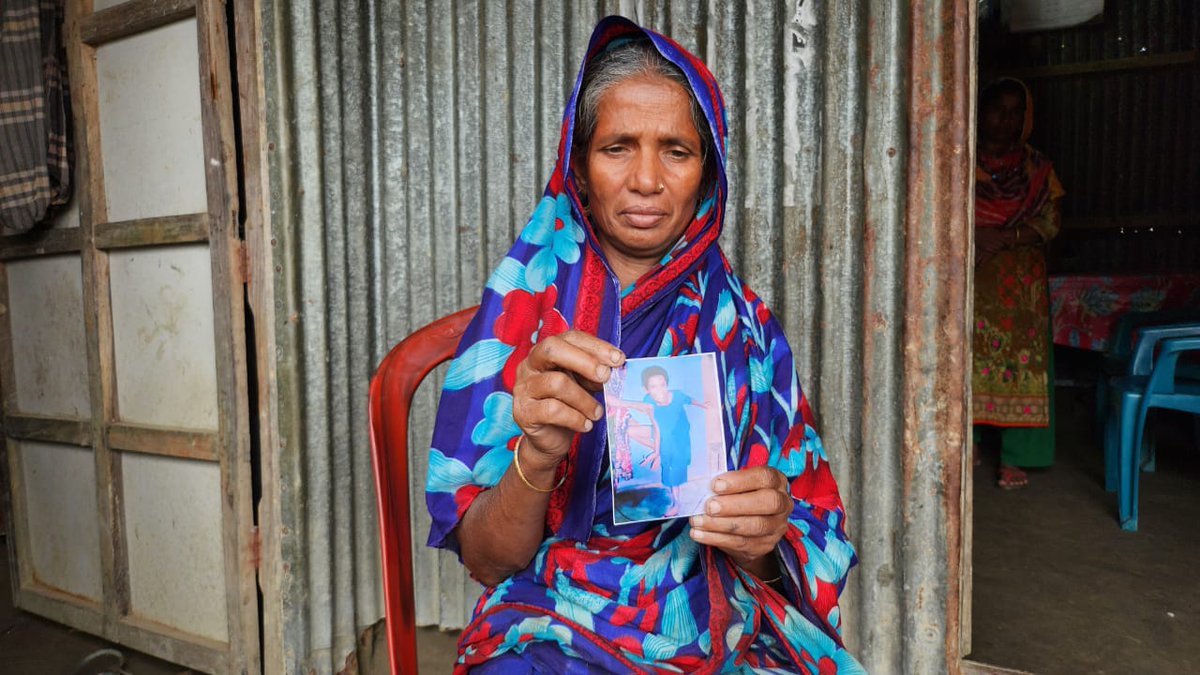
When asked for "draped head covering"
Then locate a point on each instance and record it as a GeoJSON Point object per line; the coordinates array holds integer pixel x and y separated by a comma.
{"type": "Point", "coordinates": [1011, 187]}
{"type": "Point", "coordinates": [642, 597]}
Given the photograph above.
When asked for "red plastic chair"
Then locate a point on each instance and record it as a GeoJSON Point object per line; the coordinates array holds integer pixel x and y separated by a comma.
{"type": "Point", "coordinates": [392, 391]}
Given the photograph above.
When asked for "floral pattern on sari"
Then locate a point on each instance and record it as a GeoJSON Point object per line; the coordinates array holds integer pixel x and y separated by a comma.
{"type": "Point", "coordinates": [643, 597]}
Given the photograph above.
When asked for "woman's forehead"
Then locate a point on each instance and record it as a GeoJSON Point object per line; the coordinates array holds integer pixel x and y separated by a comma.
{"type": "Point", "coordinates": [647, 104]}
{"type": "Point", "coordinates": [1006, 99]}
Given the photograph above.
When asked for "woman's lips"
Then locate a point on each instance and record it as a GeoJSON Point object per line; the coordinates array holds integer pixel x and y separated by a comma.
{"type": "Point", "coordinates": [643, 217]}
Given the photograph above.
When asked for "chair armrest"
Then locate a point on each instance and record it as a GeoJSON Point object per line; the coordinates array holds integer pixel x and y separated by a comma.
{"type": "Point", "coordinates": [1162, 378]}
{"type": "Point", "coordinates": [1149, 337]}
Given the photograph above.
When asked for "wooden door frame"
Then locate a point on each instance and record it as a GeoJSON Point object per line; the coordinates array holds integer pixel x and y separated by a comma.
{"type": "Point", "coordinates": [229, 445]}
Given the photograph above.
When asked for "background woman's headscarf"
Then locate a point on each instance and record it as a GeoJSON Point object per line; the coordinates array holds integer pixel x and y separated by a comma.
{"type": "Point", "coordinates": [1012, 187]}
{"type": "Point", "coordinates": [556, 277]}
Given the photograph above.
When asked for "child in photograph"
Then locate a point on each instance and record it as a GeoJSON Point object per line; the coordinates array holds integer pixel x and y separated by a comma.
{"type": "Point", "coordinates": [674, 452]}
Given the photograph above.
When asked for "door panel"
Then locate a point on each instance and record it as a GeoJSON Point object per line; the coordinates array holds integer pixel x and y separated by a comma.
{"type": "Point", "coordinates": [123, 357]}
{"type": "Point", "coordinates": [50, 350]}
{"type": "Point", "coordinates": [153, 153]}
{"type": "Point", "coordinates": [163, 336]}
{"type": "Point", "coordinates": [59, 486]}
{"type": "Point", "coordinates": [169, 525]}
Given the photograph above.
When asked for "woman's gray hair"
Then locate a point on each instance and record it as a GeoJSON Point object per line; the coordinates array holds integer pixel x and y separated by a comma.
{"type": "Point", "coordinates": [621, 62]}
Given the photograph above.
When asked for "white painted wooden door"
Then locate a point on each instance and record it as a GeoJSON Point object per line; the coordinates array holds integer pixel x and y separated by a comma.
{"type": "Point", "coordinates": [123, 357]}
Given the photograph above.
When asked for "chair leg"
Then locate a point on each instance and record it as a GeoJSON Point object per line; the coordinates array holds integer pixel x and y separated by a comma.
{"type": "Point", "coordinates": [1149, 456]}
{"type": "Point", "coordinates": [1111, 449]}
{"type": "Point", "coordinates": [1128, 467]}
{"type": "Point", "coordinates": [1101, 404]}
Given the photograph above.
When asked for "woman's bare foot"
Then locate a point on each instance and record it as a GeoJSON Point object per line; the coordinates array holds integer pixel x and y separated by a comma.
{"type": "Point", "coordinates": [1012, 478]}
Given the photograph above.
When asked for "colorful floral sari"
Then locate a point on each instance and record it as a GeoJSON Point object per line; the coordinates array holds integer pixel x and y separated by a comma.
{"type": "Point", "coordinates": [642, 597]}
{"type": "Point", "coordinates": [1010, 378]}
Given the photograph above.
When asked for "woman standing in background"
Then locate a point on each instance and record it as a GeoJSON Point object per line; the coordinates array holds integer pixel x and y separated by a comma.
{"type": "Point", "coordinates": [1016, 213]}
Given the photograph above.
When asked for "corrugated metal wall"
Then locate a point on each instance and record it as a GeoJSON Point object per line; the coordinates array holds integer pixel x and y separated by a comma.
{"type": "Point", "coordinates": [1123, 134]}
{"type": "Point", "coordinates": [1125, 141]}
{"type": "Point", "coordinates": [412, 140]}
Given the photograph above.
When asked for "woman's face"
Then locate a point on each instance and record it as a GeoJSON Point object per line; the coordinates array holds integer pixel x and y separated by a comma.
{"type": "Point", "coordinates": [642, 172]}
{"type": "Point", "coordinates": [1002, 119]}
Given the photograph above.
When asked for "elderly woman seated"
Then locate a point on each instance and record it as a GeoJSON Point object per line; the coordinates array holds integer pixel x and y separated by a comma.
{"type": "Point", "coordinates": [620, 259]}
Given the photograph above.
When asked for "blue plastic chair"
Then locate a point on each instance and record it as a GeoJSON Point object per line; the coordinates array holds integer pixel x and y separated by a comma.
{"type": "Point", "coordinates": [1134, 395]}
{"type": "Point", "coordinates": [1120, 350]}
{"type": "Point", "coordinates": [1137, 372]}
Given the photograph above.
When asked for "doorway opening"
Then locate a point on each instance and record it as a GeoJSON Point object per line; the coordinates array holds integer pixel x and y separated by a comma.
{"type": "Point", "coordinates": [1059, 586]}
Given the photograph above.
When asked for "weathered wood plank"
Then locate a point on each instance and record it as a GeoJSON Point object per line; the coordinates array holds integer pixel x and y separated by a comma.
{"type": "Point", "coordinates": [972, 668]}
{"type": "Point", "coordinates": [171, 644]}
{"type": "Point", "coordinates": [48, 429]}
{"type": "Point", "coordinates": [41, 242]}
{"type": "Point", "coordinates": [184, 229]}
{"type": "Point", "coordinates": [130, 18]}
{"type": "Point", "coordinates": [93, 208]}
{"type": "Point", "coordinates": [1134, 221]}
{"type": "Point", "coordinates": [260, 297]}
{"type": "Point", "coordinates": [229, 315]}
{"type": "Point", "coordinates": [97, 320]}
{"type": "Point", "coordinates": [133, 631]}
{"type": "Point", "coordinates": [72, 610]}
{"type": "Point", "coordinates": [21, 561]}
{"type": "Point", "coordinates": [1108, 66]}
{"type": "Point", "coordinates": [180, 443]}
{"type": "Point", "coordinates": [8, 370]}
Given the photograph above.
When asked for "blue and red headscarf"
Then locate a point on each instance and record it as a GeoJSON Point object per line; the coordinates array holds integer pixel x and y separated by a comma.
{"type": "Point", "coordinates": [643, 597]}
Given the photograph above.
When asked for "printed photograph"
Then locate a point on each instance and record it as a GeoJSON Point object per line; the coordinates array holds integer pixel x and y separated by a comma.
{"type": "Point", "coordinates": [666, 437]}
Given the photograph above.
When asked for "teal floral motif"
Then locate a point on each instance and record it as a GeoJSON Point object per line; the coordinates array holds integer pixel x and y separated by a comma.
{"type": "Point", "coordinates": [533, 629]}
{"type": "Point", "coordinates": [508, 277]}
{"type": "Point", "coordinates": [1098, 301]}
{"type": "Point", "coordinates": [497, 427]}
{"type": "Point", "coordinates": [1147, 299]}
{"type": "Point", "coordinates": [479, 362]}
{"type": "Point", "coordinates": [554, 228]}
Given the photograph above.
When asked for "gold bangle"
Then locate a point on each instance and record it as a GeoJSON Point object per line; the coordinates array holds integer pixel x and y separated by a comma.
{"type": "Point", "coordinates": [521, 474]}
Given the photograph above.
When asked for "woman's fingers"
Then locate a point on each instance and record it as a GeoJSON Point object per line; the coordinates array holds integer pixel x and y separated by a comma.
{"type": "Point", "coordinates": [557, 385]}
{"type": "Point", "coordinates": [551, 399]}
{"type": "Point", "coordinates": [742, 526]}
{"type": "Point", "coordinates": [747, 515]}
{"type": "Point", "coordinates": [764, 502]}
{"type": "Point", "coordinates": [553, 412]}
{"type": "Point", "coordinates": [749, 480]}
{"type": "Point", "coordinates": [586, 356]}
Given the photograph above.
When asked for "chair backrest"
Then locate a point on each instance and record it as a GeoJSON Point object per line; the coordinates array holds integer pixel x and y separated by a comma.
{"type": "Point", "coordinates": [1122, 343]}
{"type": "Point", "coordinates": [1163, 376]}
{"type": "Point", "coordinates": [1147, 342]}
{"type": "Point", "coordinates": [392, 389]}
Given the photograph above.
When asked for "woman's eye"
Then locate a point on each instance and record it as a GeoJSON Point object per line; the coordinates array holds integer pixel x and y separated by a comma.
{"type": "Point", "coordinates": [678, 155]}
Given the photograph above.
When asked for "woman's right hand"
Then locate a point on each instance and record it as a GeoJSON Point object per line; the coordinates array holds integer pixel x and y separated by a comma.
{"type": "Point", "coordinates": [552, 395]}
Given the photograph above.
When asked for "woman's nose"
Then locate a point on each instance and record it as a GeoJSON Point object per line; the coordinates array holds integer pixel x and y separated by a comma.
{"type": "Point", "coordinates": [646, 175]}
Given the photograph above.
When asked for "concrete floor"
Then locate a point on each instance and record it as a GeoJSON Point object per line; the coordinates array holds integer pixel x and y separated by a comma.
{"type": "Point", "coordinates": [436, 651]}
{"type": "Point", "coordinates": [29, 644]}
{"type": "Point", "coordinates": [1059, 588]}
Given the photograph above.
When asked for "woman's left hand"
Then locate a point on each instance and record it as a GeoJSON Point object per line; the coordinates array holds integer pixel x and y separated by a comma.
{"type": "Point", "coordinates": [746, 516]}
